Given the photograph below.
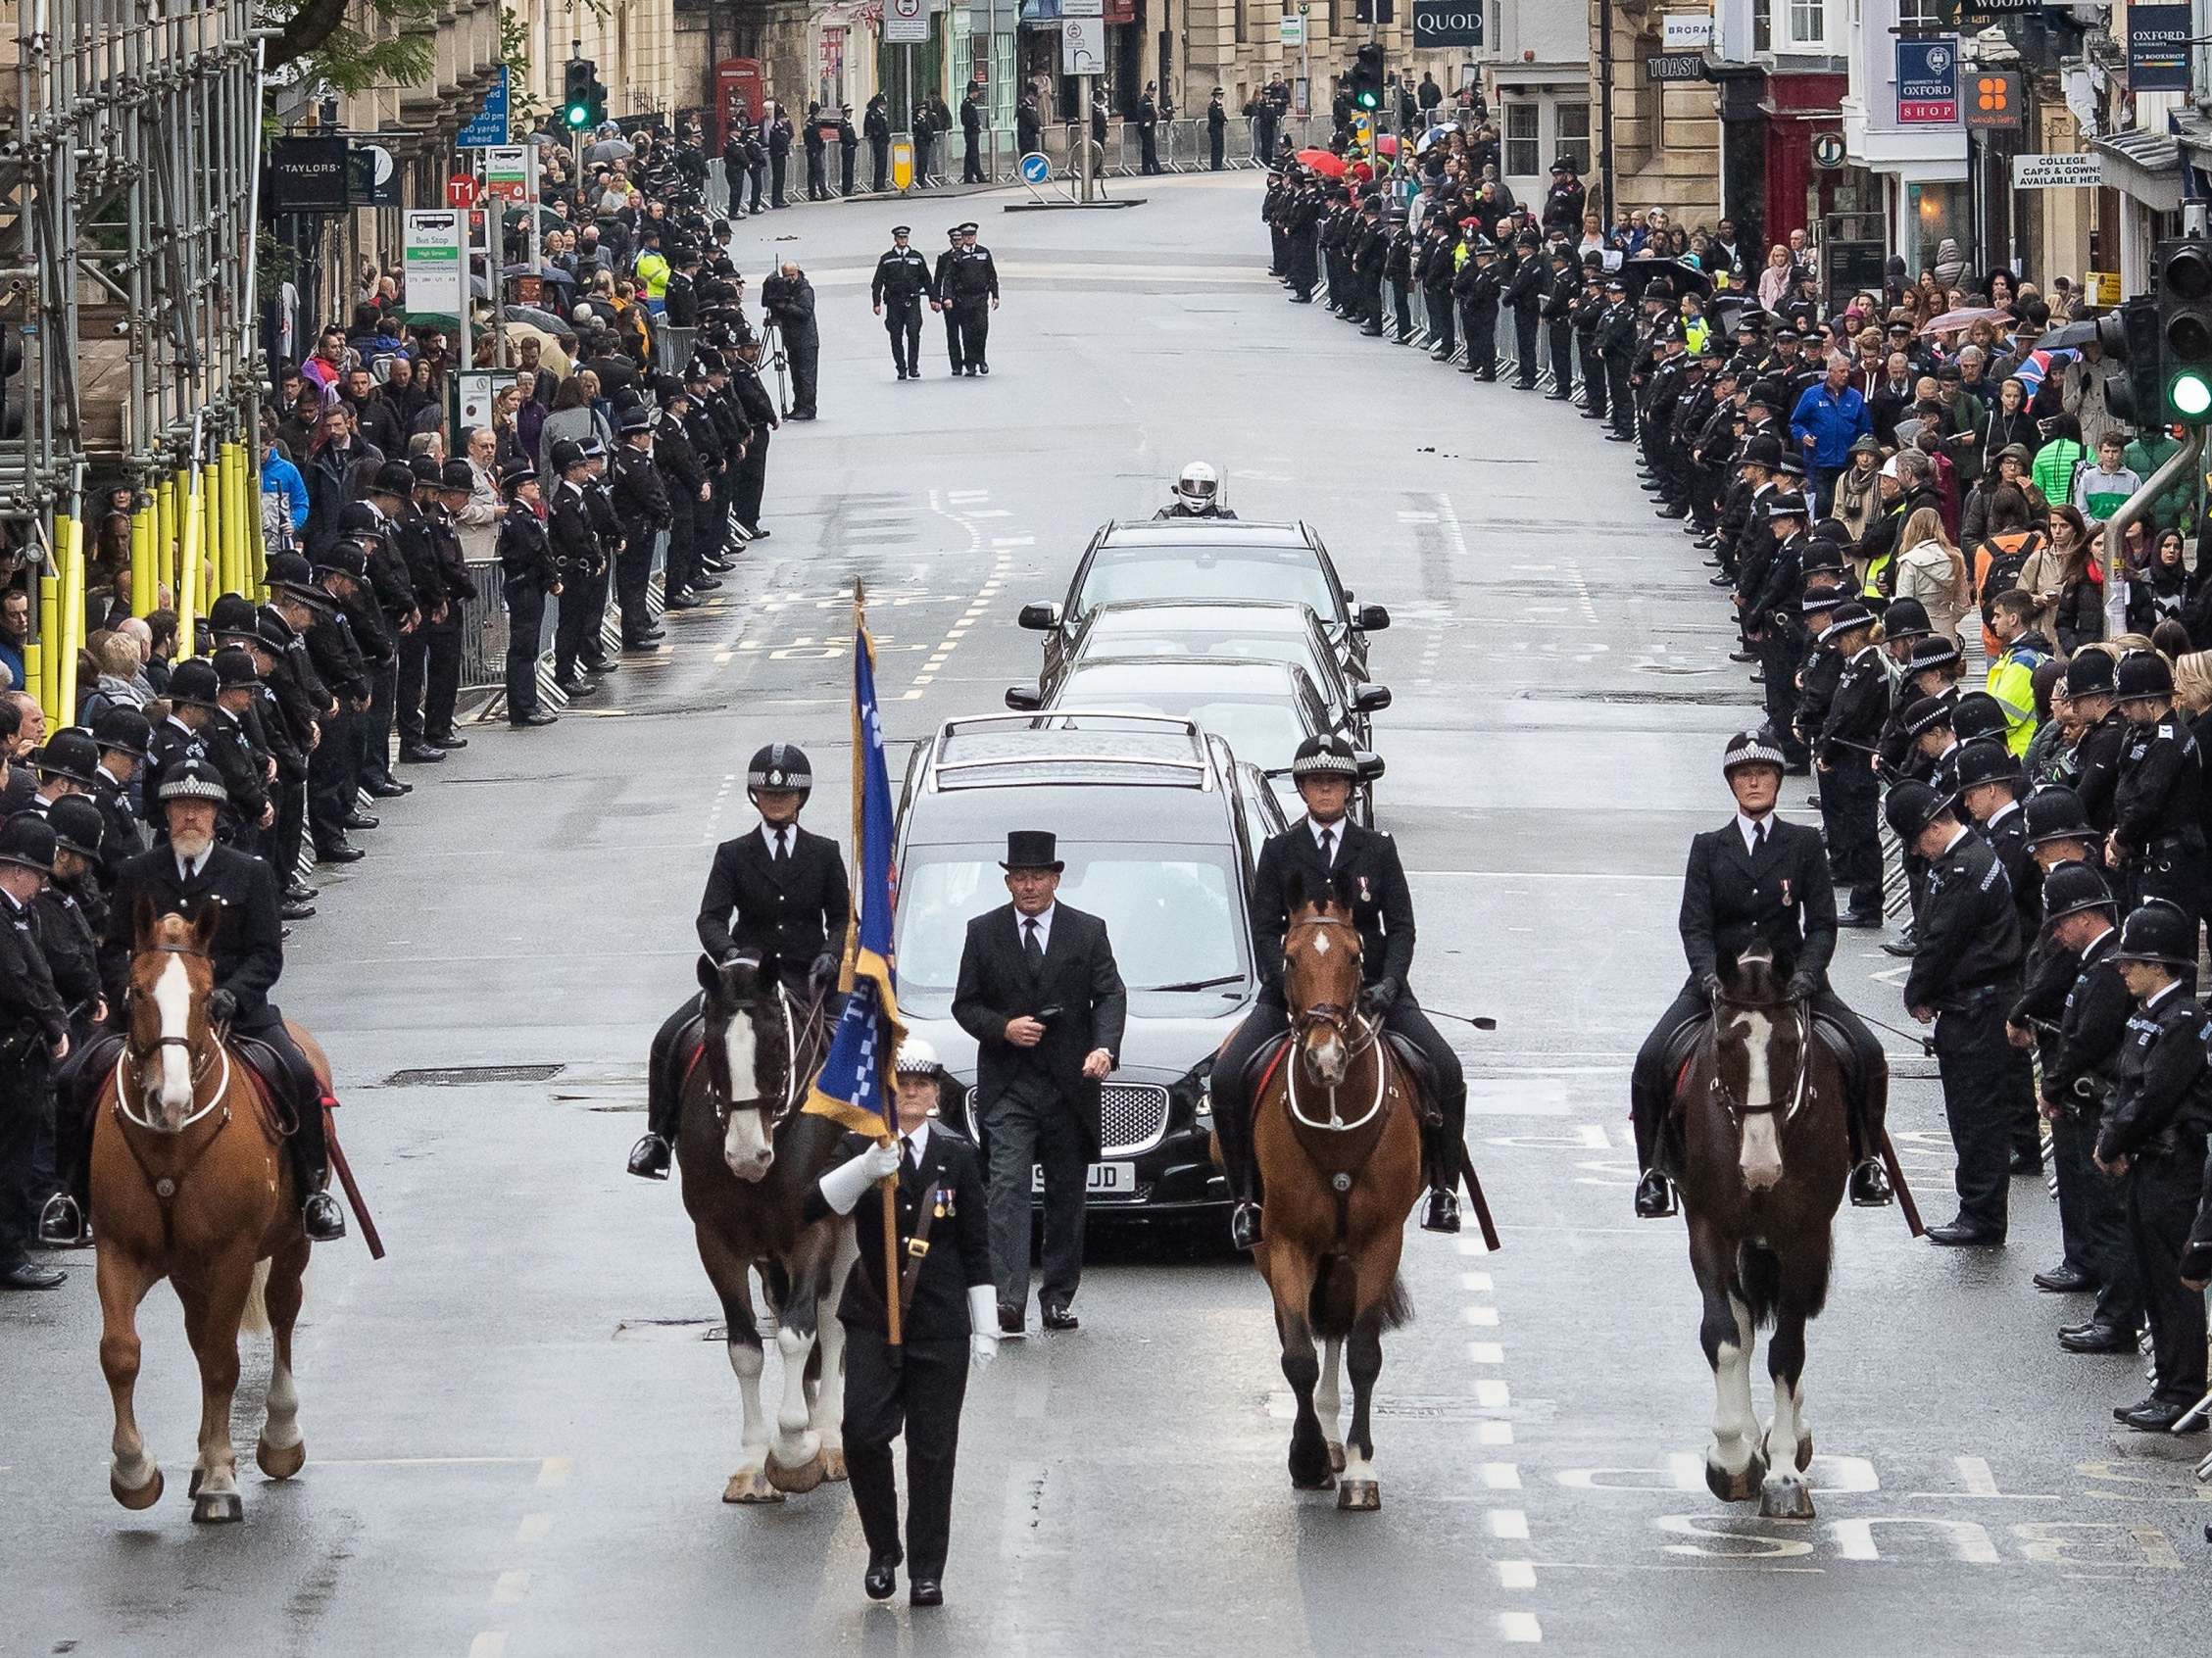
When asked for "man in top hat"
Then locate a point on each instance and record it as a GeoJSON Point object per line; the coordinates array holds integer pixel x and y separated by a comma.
{"type": "Point", "coordinates": [903, 283]}
{"type": "Point", "coordinates": [34, 1034]}
{"type": "Point", "coordinates": [1039, 991]}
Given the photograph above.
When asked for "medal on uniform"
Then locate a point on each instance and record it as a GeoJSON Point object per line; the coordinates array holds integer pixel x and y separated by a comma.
{"type": "Point", "coordinates": [1785, 892]}
{"type": "Point", "coordinates": [1365, 897]}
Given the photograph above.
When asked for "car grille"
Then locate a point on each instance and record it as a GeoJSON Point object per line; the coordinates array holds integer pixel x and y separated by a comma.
{"type": "Point", "coordinates": [1133, 1118]}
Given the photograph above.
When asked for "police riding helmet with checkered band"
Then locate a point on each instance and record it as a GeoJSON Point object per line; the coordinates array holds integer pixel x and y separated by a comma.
{"type": "Point", "coordinates": [917, 1058]}
{"type": "Point", "coordinates": [1324, 757]}
{"type": "Point", "coordinates": [194, 780]}
{"type": "Point", "coordinates": [780, 766]}
{"type": "Point", "coordinates": [1750, 748]}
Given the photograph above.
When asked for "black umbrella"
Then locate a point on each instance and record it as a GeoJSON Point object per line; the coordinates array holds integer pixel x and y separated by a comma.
{"type": "Point", "coordinates": [2068, 336]}
{"type": "Point", "coordinates": [537, 318]}
{"type": "Point", "coordinates": [1637, 274]}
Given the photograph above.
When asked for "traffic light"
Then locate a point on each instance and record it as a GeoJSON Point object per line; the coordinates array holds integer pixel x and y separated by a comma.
{"type": "Point", "coordinates": [1367, 78]}
{"type": "Point", "coordinates": [2129, 338]}
{"type": "Point", "coordinates": [2183, 297]}
{"type": "Point", "coordinates": [582, 99]}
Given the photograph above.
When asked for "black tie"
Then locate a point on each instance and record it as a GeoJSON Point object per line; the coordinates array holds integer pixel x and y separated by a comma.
{"type": "Point", "coordinates": [1031, 947]}
{"type": "Point", "coordinates": [1328, 847]}
{"type": "Point", "coordinates": [908, 1163]}
{"type": "Point", "coordinates": [783, 848]}
{"type": "Point", "coordinates": [1759, 834]}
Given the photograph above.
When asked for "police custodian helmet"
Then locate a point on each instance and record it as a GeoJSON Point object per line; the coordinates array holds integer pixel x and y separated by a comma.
{"type": "Point", "coordinates": [780, 765]}
{"type": "Point", "coordinates": [2158, 932]}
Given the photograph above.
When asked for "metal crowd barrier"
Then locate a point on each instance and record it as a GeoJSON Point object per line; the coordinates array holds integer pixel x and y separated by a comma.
{"type": "Point", "coordinates": [671, 347]}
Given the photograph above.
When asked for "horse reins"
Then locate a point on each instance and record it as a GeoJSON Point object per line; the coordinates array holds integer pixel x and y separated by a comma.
{"type": "Point", "coordinates": [1745, 1108]}
{"type": "Point", "coordinates": [1360, 1035]}
{"type": "Point", "coordinates": [724, 1105]}
{"type": "Point", "coordinates": [131, 1061]}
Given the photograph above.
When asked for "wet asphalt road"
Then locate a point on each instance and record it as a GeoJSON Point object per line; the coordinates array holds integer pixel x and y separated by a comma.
{"type": "Point", "coordinates": [517, 1427]}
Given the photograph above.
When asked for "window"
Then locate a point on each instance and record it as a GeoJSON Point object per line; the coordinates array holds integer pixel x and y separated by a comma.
{"type": "Point", "coordinates": [1808, 25]}
{"type": "Point", "coordinates": [1239, 10]}
{"type": "Point", "coordinates": [1762, 25]}
{"type": "Point", "coordinates": [1521, 146]}
{"type": "Point", "coordinates": [1918, 16]}
{"type": "Point", "coordinates": [1572, 121]}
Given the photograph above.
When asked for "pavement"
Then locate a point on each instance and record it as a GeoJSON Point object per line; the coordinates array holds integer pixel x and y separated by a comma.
{"type": "Point", "coordinates": [520, 1424]}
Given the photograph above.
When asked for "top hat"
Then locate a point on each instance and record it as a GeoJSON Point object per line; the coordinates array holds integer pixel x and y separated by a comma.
{"type": "Point", "coordinates": [1032, 849]}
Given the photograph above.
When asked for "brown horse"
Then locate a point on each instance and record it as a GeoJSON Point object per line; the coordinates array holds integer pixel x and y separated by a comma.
{"type": "Point", "coordinates": [1759, 1104]}
{"type": "Point", "coordinates": [750, 1158]}
{"type": "Point", "coordinates": [190, 1182]}
{"type": "Point", "coordinates": [1337, 1132]}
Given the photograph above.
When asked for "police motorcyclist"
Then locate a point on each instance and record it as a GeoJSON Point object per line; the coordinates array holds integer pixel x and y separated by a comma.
{"type": "Point", "coordinates": [775, 891]}
{"type": "Point", "coordinates": [1198, 495]}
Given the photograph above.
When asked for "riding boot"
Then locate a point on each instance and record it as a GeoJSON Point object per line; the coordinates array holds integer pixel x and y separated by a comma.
{"type": "Point", "coordinates": [1866, 1111]}
{"type": "Point", "coordinates": [1441, 1163]}
{"type": "Point", "coordinates": [1654, 1193]}
{"type": "Point", "coordinates": [650, 1158]}
{"type": "Point", "coordinates": [1239, 1168]}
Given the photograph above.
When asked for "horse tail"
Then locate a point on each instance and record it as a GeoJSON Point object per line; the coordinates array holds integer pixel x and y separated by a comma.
{"type": "Point", "coordinates": [1397, 1306]}
{"type": "Point", "coordinates": [1758, 1278]}
{"type": "Point", "coordinates": [253, 1321]}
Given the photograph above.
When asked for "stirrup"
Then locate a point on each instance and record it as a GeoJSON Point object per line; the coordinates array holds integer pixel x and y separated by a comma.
{"type": "Point", "coordinates": [1870, 1185]}
{"type": "Point", "coordinates": [321, 1219]}
{"type": "Point", "coordinates": [1442, 1213]}
{"type": "Point", "coordinates": [61, 1223]}
{"type": "Point", "coordinates": [650, 1157]}
{"type": "Point", "coordinates": [1244, 1225]}
{"type": "Point", "coordinates": [1655, 1197]}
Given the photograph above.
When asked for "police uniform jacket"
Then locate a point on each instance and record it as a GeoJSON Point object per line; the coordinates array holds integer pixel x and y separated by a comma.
{"type": "Point", "coordinates": [418, 555]}
{"type": "Point", "coordinates": [2097, 768]}
{"type": "Point", "coordinates": [1615, 337]}
{"type": "Point", "coordinates": [248, 946]}
{"type": "Point", "coordinates": [754, 403]}
{"type": "Point", "coordinates": [1381, 906]}
{"type": "Point", "coordinates": [337, 657]}
{"type": "Point", "coordinates": [640, 499]}
{"type": "Point", "coordinates": [2007, 835]}
{"type": "Point", "coordinates": [231, 750]}
{"type": "Point", "coordinates": [794, 911]}
{"type": "Point", "coordinates": [973, 278]}
{"type": "Point", "coordinates": [730, 423]}
{"type": "Point", "coordinates": [526, 554]}
{"type": "Point", "coordinates": [570, 531]}
{"type": "Point", "coordinates": [2090, 1029]}
{"type": "Point", "coordinates": [1783, 899]}
{"type": "Point", "coordinates": [29, 1005]}
{"type": "Point", "coordinates": [901, 280]}
{"type": "Point", "coordinates": [599, 507]}
{"type": "Point", "coordinates": [951, 1177]}
{"type": "Point", "coordinates": [171, 744]}
{"type": "Point", "coordinates": [447, 569]}
{"type": "Point", "coordinates": [1078, 986]}
{"type": "Point", "coordinates": [1856, 713]}
{"type": "Point", "coordinates": [1969, 929]}
{"type": "Point", "coordinates": [680, 300]}
{"type": "Point", "coordinates": [122, 833]}
{"type": "Point", "coordinates": [2164, 1099]}
{"type": "Point", "coordinates": [365, 618]}
{"type": "Point", "coordinates": [2155, 802]}
{"type": "Point", "coordinates": [678, 462]}
{"type": "Point", "coordinates": [71, 951]}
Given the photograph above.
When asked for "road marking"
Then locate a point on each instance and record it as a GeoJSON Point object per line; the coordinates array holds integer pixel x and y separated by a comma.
{"type": "Point", "coordinates": [1509, 1523]}
{"type": "Point", "coordinates": [1485, 1352]}
{"type": "Point", "coordinates": [1492, 1394]}
{"type": "Point", "coordinates": [1974, 1473]}
{"type": "Point", "coordinates": [1486, 1316]}
{"type": "Point", "coordinates": [536, 1527]}
{"type": "Point", "coordinates": [1519, 1627]}
{"type": "Point", "coordinates": [1479, 1282]}
{"type": "Point", "coordinates": [1516, 1573]}
{"type": "Point", "coordinates": [490, 1644]}
{"type": "Point", "coordinates": [1494, 1433]}
{"type": "Point", "coordinates": [1501, 1476]}
{"type": "Point", "coordinates": [509, 1591]}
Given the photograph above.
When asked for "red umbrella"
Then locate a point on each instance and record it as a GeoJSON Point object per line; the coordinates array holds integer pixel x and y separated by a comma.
{"type": "Point", "coordinates": [1324, 162]}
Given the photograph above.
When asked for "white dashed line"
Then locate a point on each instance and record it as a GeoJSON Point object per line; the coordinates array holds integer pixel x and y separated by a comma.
{"type": "Point", "coordinates": [1510, 1525]}
{"type": "Point", "coordinates": [1519, 1627]}
{"type": "Point", "coordinates": [1516, 1573]}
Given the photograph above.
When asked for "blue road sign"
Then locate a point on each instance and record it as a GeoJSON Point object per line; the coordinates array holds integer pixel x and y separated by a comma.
{"type": "Point", "coordinates": [1035, 169]}
{"type": "Point", "coordinates": [490, 123]}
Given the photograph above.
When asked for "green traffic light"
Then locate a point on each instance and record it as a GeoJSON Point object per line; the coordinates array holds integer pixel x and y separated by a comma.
{"type": "Point", "coordinates": [579, 115]}
{"type": "Point", "coordinates": [2190, 395]}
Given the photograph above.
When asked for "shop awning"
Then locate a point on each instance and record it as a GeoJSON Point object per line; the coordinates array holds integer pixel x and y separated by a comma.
{"type": "Point", "coordinates": [2147, 166]}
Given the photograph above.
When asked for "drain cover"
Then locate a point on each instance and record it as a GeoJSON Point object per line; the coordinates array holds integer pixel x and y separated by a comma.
{"type": "Point", "coordinates": [469, 1075]}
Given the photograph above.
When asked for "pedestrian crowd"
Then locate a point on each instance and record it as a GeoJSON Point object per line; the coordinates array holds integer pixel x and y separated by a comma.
{"type": "Point", "coordinates": [294, 713]}
{"type": "Point", "coordinates": [1904, 493]}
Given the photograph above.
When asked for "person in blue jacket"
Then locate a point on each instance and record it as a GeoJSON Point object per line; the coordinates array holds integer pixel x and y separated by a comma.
{"type": "Point", "coordinates": [280, 478]}
{"type": "Point", "coordinates": [1829, 418]}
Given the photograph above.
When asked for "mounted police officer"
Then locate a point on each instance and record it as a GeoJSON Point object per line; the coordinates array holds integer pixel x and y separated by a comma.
{"type": "Point", "coordinates": [777, 892]}
{"type": "Point", "coordinates": [1326, 843]}
{"type": "Point", "coordinates": [1757, 879]}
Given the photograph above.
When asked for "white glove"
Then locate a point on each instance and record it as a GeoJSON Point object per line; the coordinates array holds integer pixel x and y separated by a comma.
{"type": "Point", "coordinates": [842, 1187]}
{"type": "Point", "coordinates": [983, 1323]}
{"type": "Point", "coordinates": [982, 1349]}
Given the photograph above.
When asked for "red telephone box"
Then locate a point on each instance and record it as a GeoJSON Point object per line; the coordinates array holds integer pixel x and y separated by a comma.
{"type": "Point", "coordinates": [740, 88]}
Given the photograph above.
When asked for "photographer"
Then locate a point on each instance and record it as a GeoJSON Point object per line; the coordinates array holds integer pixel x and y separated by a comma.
{"type": "Point", "coordinates": [789, 300]}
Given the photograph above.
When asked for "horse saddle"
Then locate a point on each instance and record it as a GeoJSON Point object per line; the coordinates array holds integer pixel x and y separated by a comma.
{"type": "Point", "coordinates": [1260, 1070]}
{"type": "Point", "coordinates": [284, 1090]}
{"type": "Point", "coordinates": [1684, 1046]}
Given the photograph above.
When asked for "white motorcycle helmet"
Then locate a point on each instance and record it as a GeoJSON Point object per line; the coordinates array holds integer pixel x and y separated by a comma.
{"type": "Point", "coordinates": [1198, 487]}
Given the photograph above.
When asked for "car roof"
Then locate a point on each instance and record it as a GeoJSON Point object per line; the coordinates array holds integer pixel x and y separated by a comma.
{"type": "Point", "coordinates": [986, 753]}
{"type": "Point", "coordinates": [1078, 813]}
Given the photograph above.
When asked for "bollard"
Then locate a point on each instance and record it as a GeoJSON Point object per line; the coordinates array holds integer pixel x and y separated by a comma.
{"type": "Point", "coordinates": [69, 543]}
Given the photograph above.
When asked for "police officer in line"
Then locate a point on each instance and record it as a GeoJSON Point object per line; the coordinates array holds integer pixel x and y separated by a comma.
{"type": "Point", "coordinates": [777, 892]}
{"type": "Point", "coordinates": [2080, 1067]}
{"type": "Point", "coordinates": [122, 734]}
{"type": "Point", "coordinates": [901, 287]}
{"type": "Point", "coordinates": [2093, 761]}
{"type": "Point", "coordinates": [1759, 878]}
{"type": "Point", "coordinates": [1965, 976]}
{"type": "Point", "coordinates": [1844, 747]}
{"type": "Point", "coordinates": [1523, 296]}
{"type": "Point", "coordinates": [427, 700]}
{"type": "Point", "coordinates": [640, 500]}
{"type": "Point", "coordinates": [2154, 1135]}
{"type": "Point", "coordinates": [1474, 290]}
{"type": "Point", "coordinates": [2157, 839]}
{"type": "Point", "coordinates": [1556, 310]}
{"type": "Point", "coordinates": [34, 1035]}
{"type": "Point", "coordinates": [577, 563]}
{"type": "Point", "coordinates": [968, 292]}
{"type": "Point", "coordinates": [529, 575]}
{"type": "Point", "coordinates": [946, 1317]}
{"type": "Point", "coordinates": [940, 281]}
{"type": "Point", "coordinates": [1326, 843]}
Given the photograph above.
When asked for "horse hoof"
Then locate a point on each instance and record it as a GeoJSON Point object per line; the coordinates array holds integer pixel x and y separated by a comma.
{"type": "Point", "coordinates": [799, 1480]}
{"type": "Point", "coordinates": [281, 1462]}
{"type": "Point", "coordinates": [145, 1496]}
{"type": "Point", "coordinates": [1735, 1487]}
{"type": "Point", "coordinates": [1360, 1496]}
{"type": "Point", "coordinates": [213, 1509]}
{"type": "Point", "coordinates": [1336, 1456]}
{"type": "Point", "coordinates": [748, 1487]}
{"type": "Point", "coordinates": [833, 1464]}
{"type": "Point", "coordinates": [1784, 1497]}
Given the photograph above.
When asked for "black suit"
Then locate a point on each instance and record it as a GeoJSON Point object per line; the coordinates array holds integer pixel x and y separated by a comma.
{"type": "Point", "coordinates": [918, 1390]}
{"type": "Point", "coordinates": [1035, 1106]}
{"type": "Point", "coordinates": [1780, 896]}
{"type": "Point", "coordinates": [32, 1023]}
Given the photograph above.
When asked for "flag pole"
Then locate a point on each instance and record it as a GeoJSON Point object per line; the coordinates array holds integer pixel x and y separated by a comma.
{"type": "Point", "coordinates": [890, 1185]}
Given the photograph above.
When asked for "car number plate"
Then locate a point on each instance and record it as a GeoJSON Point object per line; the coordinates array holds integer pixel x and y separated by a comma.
{"type": "Point", "coordinates": [1106, 1180]}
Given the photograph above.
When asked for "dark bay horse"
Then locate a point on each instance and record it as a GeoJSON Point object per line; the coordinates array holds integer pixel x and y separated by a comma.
{"type": "Point", "coordinates": [190, 1182]}
{"type": "Point", "coordinates": [1337, 1132]}
{"type": "Point", "coordinates": [749, 1157]}
{"type": "Point", "coordinates": [1759, 1107]}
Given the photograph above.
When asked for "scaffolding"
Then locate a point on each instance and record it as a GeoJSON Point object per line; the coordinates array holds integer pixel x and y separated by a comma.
{"type": "Point", "coordinates": [128, 207]}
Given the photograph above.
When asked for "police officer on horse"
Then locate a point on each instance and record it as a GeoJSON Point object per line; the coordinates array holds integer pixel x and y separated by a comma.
{"type": "Point", "coordinates": [1757, 880]}
{"type": "Point", "coordinates": [777, 892]}
{"type": "Point", "coordinates": [1326, 843]}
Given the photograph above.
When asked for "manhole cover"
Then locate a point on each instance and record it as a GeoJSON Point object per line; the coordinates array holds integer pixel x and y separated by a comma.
{"type": "Point", "coordinates": [469, 1075]}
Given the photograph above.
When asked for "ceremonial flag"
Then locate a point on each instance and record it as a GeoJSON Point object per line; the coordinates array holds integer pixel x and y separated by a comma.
{"type": "Point", "coordinates": [850, 1085]}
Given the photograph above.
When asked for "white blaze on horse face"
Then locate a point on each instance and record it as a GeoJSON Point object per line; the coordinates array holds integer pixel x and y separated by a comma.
{"type": "Point", "coordinates": [1762, 1159]}
{"type": "Point", "coordinates": [173, 1000]}
{"type": "Point", "coordinates": [746, 1146]}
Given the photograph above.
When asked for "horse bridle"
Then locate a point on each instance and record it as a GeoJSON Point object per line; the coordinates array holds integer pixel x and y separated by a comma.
{"type": "Point", "coordinates": [1800, 1011]}
{"type": "Point", "coordinates": [134, 1060]}
{"type": "Point", "coordinates": [1352, 1028]}
{"type": "Point", "coordinates": [725, 1105]}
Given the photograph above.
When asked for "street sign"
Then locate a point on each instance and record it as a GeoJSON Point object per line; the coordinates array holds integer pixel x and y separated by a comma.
{"type": "Point", "coordinates": [430, 256]}
{"type": "Point", "coordinates": [1663, 67]}
{"type": "Point", "coordinates": [1363, 129]}
{"type": "Point", "coordinates": [1992, 102]}
{"type": "Point", "coordinates": [902, 165]}
{"type": "Point", "coordinates": [1928, 81]}
{"type": "Point", "coordinates": [1035, 167]}
{"type": "Point", "coordinates": [1686, 31]}
{"type": "Point", "coordinates": [1447, 23]}
{"type": "Point", "coordinates": [2101, 287]}
{"type": "Point", "coordinates": [490, 123]}
{"type": "Point", "coordinates": [1828, 151]}
{"type": "Point", "coordinates": [510, 173]}
{"type": "Point", "coordinates": [2158, 48]}
{"type": "Point", "coordinates": [1082, 45]}
{"type": "Point", "coordinates": [1293, 26]}
{"type": "Point", "coordinates": [370, 178]}
{"type": "Point", "coordinates": [906, 23]}
{"type": "Point", "coordinates": [1082, 8]}
{"type": "Point", "coordinates": [461, 190]}
{"type": "Point", "coordinates": [308, 175]}
{"type": "Point", "coordinates": [2057, 172]}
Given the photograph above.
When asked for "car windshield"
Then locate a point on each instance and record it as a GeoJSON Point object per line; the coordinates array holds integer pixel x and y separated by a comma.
{"type": "Point", "coordinates": [1120, 573]}
{"type": "Point", "coordinates": [1172, 912]}
{"type": "Point", "coordinates": [1256, 715]}
{"type": "Point", "coordinates": [1137, 634]}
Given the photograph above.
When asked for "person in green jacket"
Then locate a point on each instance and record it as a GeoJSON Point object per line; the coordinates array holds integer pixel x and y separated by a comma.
{"type": "Point", "coordinates": [2174, 508]}
{"type": "Point", "coordinates": [2059, 459]}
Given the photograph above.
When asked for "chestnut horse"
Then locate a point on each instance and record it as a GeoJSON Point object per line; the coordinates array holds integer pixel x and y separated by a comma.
{"type": "Point", "coordinates": [750, 1158]}
{"type": "Point", "coordinates": [1765, 1153]}
{"type": "Point", "coordinates": [190, 1182]}
{"type": "Point", "coordinates": [1335, 1129]}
